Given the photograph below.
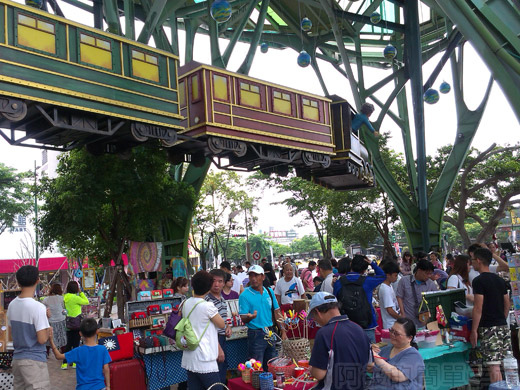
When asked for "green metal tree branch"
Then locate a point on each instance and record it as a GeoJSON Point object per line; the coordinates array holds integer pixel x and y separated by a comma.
{"type": "Point", "coordinates": [248, 61]}
{"type": "Point", "coordinates": [238, 31]}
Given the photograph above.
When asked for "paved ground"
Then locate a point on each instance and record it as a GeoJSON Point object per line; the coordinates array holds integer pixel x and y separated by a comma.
{"type": "Point", "coordinates": [61, 379]}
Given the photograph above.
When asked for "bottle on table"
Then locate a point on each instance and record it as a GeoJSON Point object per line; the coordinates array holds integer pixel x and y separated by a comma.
{"type": "Point", "coordinates": [511, 370]}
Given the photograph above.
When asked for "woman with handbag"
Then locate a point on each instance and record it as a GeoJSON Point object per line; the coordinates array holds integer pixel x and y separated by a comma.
{"type": "Point", "coordinates": [73, 300]}
{"type": "Point", "coordinates": [459, 277]}
{"type": "Point", "coordinates": [54, 301]}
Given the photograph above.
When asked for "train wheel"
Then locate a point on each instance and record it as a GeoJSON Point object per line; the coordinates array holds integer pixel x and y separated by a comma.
{"type": "Point", "coordinates": [214, 144]}
{"type": "Point", "coordinates": [241, 152]}
{"type": "Point", "coordinates": [307, 159]}
{"type": "Point", "coordinates": [136, 134]}
{"type": "Point", "coordinates": [326, 162]}
{"type": "Point", "coordinates": [19, 114]}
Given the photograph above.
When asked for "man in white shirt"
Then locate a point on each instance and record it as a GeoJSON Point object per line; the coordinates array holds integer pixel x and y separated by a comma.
{"type": "Point", "coordinates": [288, 288]}
{"type": "Point", "coordinates": [325, 268]}
{"type": "Point", "coordinates": [387, 299]}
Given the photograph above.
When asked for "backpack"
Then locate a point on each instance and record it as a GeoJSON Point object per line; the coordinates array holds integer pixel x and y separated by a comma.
{"type": "Point", "coordinates": [185, 337]}
{"type": "Point", "coordinates": [354, 301]}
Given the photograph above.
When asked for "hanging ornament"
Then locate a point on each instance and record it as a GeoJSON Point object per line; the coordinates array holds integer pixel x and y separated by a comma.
{"type": "Point", "coordinates": [306, 24]}
{"type": "Point", "coordinates": [390, 52]}
{"type": "Point", "coordinates": [445, 87]}
{"type": "Point", "coordinates": [264, 47]}
{"type": "Point", "coordinates": [34, 3]}
{"type": "Point", "coordinates": [431, 96]}
{"type": "Point", "coordinates": [220, 11]}
{"type": "Point", "coordinates": [375, 17]}
{"type": "Point", "coordinates": [304, 59]}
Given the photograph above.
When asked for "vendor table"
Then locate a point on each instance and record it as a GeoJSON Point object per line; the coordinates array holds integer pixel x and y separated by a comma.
{"type": "Point", "coordinates": [446, 366]}
{"type": "Point", "coordinates": [238, 384]}
{"type": "Point", "coordinates": [163, 369]}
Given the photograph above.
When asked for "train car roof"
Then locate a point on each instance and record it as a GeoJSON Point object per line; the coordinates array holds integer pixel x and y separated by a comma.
{"type": "Point", "coordinates": [120, 38]}
{"type": "Point", "coordinates": [194, 66]}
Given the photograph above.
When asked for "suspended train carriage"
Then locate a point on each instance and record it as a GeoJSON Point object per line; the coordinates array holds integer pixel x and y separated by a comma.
{"type": "Point", "coordinates": [247, 124]}
{"type": "Point", "coordinates": [64, 85]}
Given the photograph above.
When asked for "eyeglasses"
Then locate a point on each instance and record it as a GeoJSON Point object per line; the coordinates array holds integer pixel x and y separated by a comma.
{"type": "Point", "coordinates": [394, 332]}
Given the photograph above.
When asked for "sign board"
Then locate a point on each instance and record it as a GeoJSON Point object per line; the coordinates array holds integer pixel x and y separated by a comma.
{"type": "Point", "coordinates": [89, 279]}
{"type": "Point", "coordinates": [256, 255]}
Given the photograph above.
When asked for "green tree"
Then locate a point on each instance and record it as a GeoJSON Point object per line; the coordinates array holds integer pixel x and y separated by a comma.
{"type": "Point", "coordinates": [97, 204]}
{"type": "Point", "coordinates": [488, 182]}
{"type": "Point", "coordinates": [307, 243]}
{"type": "Point", "coordinates": [15, 196]}
{"type": "Point", "coordinates": [221, 201]}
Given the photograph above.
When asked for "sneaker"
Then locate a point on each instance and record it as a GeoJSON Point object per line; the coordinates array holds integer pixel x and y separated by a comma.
{"type": "Point", "coordinates": [73, 365]}
{"type": "Point", "coordinates": [64, 366]}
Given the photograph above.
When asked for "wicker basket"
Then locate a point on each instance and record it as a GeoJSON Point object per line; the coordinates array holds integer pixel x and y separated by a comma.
{"type": "Point", "coordinates": [140, 322]}
{"type": "Point", "coordinates": [246, 375]}
{"type": "Point", "coordinates": [288, 371]}
{"type": "Point", "coordinates": [255, 379]}
{"type": "Point", "coordinates": [297, 349]}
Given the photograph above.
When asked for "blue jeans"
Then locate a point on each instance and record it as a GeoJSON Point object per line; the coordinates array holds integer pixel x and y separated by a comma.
{"type": "Point", "coordinates": [258, 348]}
{"type": "Point", "coordinates": [371, 334]}
{"type": "Point", "coordinates": [198, 381]}
{"type": "Point", "coordinates": [222, 367]}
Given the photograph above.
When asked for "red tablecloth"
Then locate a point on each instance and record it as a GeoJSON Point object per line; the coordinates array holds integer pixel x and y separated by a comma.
{"type": "Point", "coordinates": [238, 384]}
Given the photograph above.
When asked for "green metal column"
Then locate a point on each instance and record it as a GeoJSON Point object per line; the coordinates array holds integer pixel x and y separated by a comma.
{"type": "Point", "coordinates": [413, 61]}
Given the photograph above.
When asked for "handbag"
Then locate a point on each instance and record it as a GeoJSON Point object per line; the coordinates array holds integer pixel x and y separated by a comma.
{"type": "Point", "coordinates": [275, 327]}
{"type": "Point", "coordinates": [173, 320]}
{"type": "Point", "coordinates": [73, 323]}
{"type": "Point", "coordinates": [423, 312]}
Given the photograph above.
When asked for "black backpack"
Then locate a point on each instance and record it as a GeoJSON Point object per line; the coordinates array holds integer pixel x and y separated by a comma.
{"type": "Point", "coordinates": [354, 301]}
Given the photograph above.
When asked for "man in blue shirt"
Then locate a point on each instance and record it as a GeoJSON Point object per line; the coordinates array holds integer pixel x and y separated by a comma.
{"type": "Point", "coordinates": [358, 268]}
{"type": "Point", "coordinates": [256, 307]}
{"type": "Point", "coordinates": [341, 349]}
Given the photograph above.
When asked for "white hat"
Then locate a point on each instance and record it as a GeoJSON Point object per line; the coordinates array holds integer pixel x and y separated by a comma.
{"type": "Point", "coordinates": [256, 269]}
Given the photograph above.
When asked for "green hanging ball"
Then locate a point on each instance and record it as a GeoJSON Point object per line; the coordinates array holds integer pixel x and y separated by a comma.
{"type": "Point", "coordinates": [264, 47]}
{"type": "Point", "coordinates": [306, 24]}
{"type": "Point", "coordinates": [34, 3]}
{"type": "Point", "coordinates": [304, 59]}
{"type": "Point", "coordinates": [445, 87]}
{"type": "Point", "coordinates": [220, 11]}
{"type": "Point", "coordinates": [390, 52]}
{"type": "Point", "coordinates": [375, 17]}
{"type": "Point", "coordinates": [431, 96]}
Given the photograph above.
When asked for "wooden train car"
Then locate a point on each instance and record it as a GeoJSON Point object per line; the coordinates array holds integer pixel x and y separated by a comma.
{"type": "Point", "coordinates": [66, 85]}
{"type": "Point", "coordinates": [249, 124]}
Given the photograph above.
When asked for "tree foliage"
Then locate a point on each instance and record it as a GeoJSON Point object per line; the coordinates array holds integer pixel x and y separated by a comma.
{"type": "Point", "coordinates": [15, 196]}
{"type": "Point", "coordinates": [221, 204]}
{"type": "Point", "coordinates": [486, 186]}
{"type": "Point", "coordinates": [97, 204]}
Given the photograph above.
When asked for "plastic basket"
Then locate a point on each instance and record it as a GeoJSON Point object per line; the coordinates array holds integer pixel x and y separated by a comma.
{"type": "Point", "coordinates": [446, 299]}
{"type": "Point", "coordinates": [288, 370]}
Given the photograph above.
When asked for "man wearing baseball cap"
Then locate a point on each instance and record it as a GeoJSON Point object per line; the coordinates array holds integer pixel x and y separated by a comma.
{"type": "Point", "coordinates": [257, 306]}
{"type": "Point", "coordinates": [341, 348]}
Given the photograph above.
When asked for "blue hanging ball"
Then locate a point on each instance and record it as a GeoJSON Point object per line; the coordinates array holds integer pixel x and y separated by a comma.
{"type": "Point", "coordinates": [34, 3]}
{"type": "Point", "coordinates": [375, 17]}
{"type": "Point", "coordinates": [306, 24]}
{"type": "Point", "coordinates": [431, 96]}
{"type": "Point", "coordinates": [264, 47]}
{"type": "Point", "coordinates": [220, 11]}
{"type": "Point", "coordinates": [390, 52]}
{"type": "Point", "coordinates": [304, 59]}
{"type": "Point", "coordinates": [445, 87]}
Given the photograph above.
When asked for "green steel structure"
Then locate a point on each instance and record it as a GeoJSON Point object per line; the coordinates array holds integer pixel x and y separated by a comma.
{"type": "Point", "coordinates": [348, 35]}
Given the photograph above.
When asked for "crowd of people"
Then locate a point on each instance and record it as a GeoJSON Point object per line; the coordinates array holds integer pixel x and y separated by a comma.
{"type": "Point", "coordinates": [344, 295]}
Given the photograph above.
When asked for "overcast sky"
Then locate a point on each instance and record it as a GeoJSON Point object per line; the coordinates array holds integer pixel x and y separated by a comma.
{"type": "Point", "coordinates": [279, 66]}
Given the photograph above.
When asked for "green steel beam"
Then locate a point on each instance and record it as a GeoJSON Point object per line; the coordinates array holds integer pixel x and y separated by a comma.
{"type": "Point", "coordinates": [238, 31]}
{"type": "Point", "coordinates": [129, 19]}
{"type": "Point", "coordinates": [112, 16]}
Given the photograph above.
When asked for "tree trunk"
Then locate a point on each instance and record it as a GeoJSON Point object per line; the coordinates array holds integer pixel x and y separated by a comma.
{"type": "Point", "coordinates": [110, 298]}
{"type": "Point", "coordinates": [120, 298]}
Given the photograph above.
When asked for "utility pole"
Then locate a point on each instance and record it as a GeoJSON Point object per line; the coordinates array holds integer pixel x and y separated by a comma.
{"type": "Point", "coordinates": [36, 252]}
{"type": "Point", "coordinates": [248, 248]}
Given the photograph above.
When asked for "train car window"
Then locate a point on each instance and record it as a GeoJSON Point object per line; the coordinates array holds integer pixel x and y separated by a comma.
{"type": "Point", "coordinates": [195, 88]}
{"type": "Point", "coordinates": [310, 110]}
{"type": "Point", "coordinates": [145, 66]}
{"type": "Point", "coordinates": [36, 33]}
{"type": "Point", "coordinates": [95, 51]}
{"type": "Point", "coordinates": [182, 94]}
{"type": "Point", "coordinates": [220, 87]}
{"type": "Point", "coordinates": [250, 94]}
{"type": "Point", "coordinates": [282, 102]}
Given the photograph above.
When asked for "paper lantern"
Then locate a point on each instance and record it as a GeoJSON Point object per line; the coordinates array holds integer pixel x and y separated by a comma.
{"type": "Point", "coordinates": [306, 24]}
{"type": "Point", "coordinates": [390, 52]}
{"type": "Point", "coordinates": [304, 59]}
